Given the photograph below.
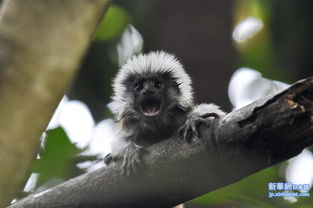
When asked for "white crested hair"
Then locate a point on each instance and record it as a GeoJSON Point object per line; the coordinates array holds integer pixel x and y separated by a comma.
{"type": "Point", "coordinates": [158, 61]}
{"type": "Point", "coordinates": [207, 108]}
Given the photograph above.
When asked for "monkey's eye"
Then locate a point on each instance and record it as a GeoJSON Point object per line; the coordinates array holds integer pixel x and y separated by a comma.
{"type": "Point", "coordinates": [138, 86]}
{"type": "Point", "coordinates": [157, 84]}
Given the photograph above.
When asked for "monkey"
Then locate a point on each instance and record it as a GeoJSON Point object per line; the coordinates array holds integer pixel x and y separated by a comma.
{"type": "Point", "coordinates": [153, 101]}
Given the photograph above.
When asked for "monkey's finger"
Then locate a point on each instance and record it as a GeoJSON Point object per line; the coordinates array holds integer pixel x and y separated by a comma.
{"type": "Point", "coordinates": [128, 168]}
{"type": "Point", "coordinates": [138, 154]}
{"type": "Point", "coordinates": [137, 159]}
{"type": "Point", "coordinates": [181, 131]}
{"type": "Point", "coordinates": [123, 168]}
{"type": "Point", "coordinates": [195, 130]}
{"type": "Point", "coordinates": [133, 166]}
{"type": "Point", "coordinates": [194, 125]}
{"type": "Point", "coordinates": [185, 136]}
{"type": "Point", "coordinates": [125, 164]}
{"type": "Point", "coordinates": [189, 134]}
{"type": "Point", "coordinates": [184, 131]}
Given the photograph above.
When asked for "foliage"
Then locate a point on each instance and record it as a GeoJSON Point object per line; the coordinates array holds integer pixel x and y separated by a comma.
{"type": "Point", "coordinates": [112, 24]}
{"type": "Point", "coordinates": [56, 159]}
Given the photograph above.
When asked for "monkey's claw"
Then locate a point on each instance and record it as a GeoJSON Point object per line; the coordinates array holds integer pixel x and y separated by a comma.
{"type": "Point", "coordinates": [190, 128]}
{"type": "Point", "coordinates": [110, 158]}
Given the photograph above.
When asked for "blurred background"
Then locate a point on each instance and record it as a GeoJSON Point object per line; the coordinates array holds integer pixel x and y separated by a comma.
{"type": "Point", "coordinates": [232, 49]}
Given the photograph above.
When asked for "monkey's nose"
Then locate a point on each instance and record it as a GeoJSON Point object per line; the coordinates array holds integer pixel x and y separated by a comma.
{"type": "Point", "coordinates": [148, 92]}
{"type": "Point", "coordinates": [148, 88]}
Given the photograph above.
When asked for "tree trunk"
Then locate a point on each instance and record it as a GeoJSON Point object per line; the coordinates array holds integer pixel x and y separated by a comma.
{"type": "Point", "coordinates": [42, 43]}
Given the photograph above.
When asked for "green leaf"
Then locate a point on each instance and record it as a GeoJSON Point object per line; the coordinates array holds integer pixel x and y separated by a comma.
{"type": "Point", "coordinates": [252, 190]}
{"type": "Point", "coordinates": [113, 24]}
{"type": "Point", "coordinates": [57, 157]}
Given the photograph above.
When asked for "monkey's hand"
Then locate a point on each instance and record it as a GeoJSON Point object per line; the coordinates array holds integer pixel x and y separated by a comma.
{"type": "Point", "coordinates": [190, 128]}
{"type": "Point", "coordinates": [131, 156]}
{"type": "Point", "coordinates": [203, 113]}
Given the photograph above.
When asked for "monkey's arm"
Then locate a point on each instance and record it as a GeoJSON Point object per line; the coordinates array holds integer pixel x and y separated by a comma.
{"type": "Point", "coordinates": [202, 113]}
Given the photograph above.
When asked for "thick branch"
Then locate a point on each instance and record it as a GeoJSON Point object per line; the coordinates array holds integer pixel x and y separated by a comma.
{"type": "Point", "coordinates": [41, 45]}
{"type": "Point", "coordinates": [239, 144]}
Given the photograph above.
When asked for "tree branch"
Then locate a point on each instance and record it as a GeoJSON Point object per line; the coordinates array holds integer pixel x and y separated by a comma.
{"type": "Point", "coordinates": [42, 43]}
{"type": "Point", "coordinates": [243, 142]}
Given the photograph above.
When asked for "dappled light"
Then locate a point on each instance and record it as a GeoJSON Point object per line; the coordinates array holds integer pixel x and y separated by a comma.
{"type": "Point", "coordinates": [247, 85]}
{"type": "Point", "coordinates": [31, 183]}
{"type": "Point", "coordinates": [131, 43]}
{"type": "Point", "coordinates": [247, 29]}
{"type": "Point", "coordinates": [300, 169]}
{"type": "Point", "coordinates": [75, 118]}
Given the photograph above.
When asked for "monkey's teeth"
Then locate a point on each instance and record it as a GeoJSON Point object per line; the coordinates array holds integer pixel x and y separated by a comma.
{"type": "Point", "coordinates": [152, 112]}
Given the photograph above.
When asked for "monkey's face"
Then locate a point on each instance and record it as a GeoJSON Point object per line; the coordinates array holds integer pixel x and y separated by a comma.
{"type": "Point", "coordinates": [149, 97]}
{"type": "Point", "coordinates": [153, 95]}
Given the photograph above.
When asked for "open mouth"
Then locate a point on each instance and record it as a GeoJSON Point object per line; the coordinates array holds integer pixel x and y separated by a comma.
{"type": "Point", "coordinates": [150, 107]}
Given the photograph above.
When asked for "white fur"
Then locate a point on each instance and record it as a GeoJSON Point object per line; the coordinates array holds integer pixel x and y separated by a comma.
{"type": "Point", "coordinates": [204, 108]}
{"type": "Point", "coordinates": [151, 62]}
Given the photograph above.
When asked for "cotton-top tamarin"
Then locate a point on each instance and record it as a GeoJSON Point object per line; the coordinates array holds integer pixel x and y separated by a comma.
{"type": "Point", "coordinates": [153, 101]}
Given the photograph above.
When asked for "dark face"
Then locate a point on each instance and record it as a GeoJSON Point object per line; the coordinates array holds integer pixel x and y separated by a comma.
{"type": "Point", "coordinates": [154, 94]}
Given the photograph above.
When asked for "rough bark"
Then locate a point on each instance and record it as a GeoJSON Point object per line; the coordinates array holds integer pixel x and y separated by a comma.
{"type": "Point", "coordinates": [41, 45]}
{"type": "Point", "coordinates": [241, 143]}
